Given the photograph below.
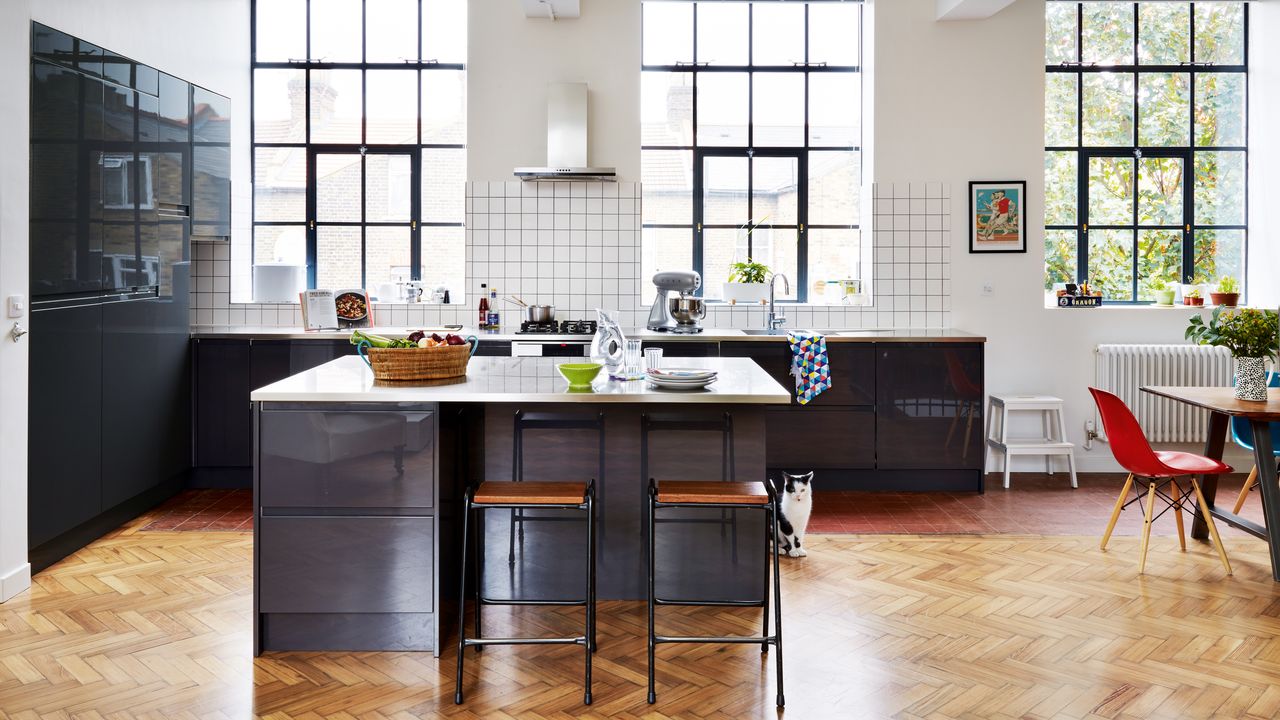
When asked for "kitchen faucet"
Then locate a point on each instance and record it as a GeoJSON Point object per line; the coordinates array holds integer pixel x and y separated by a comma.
{"type": "Point", "coordinates": [774, 320]}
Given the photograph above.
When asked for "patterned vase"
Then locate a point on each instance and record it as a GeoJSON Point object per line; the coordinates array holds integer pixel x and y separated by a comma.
{"type": "Point", "coordinates": [1251, 378]}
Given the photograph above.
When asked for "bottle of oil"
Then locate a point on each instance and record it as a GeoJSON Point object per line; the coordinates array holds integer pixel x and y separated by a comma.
{"type": "Point", "coordinates": [495, 322]}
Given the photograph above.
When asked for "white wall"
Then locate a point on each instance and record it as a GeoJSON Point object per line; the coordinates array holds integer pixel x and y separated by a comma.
{"type": "Point", "coordinates": [204, 41]}
{"type": "Point", "coordinates": [961, 101]}
{"type": "Point", "coordinates": [1264, 155]}
{"type": "Point", "coordinates": [511, 59]}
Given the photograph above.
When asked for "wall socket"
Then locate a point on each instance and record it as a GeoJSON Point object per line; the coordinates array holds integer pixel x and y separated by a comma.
{"type": "Point", "coordinates": [988, 288]}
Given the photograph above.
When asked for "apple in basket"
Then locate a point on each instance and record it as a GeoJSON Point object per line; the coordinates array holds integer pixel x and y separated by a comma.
{"type": "Point", "coordinates": [416, 339]}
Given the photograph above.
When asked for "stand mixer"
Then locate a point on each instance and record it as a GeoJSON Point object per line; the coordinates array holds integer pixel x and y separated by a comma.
{"type": "Point", "coordinates": [682, 313]}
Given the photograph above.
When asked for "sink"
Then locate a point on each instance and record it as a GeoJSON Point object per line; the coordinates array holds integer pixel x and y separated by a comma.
{"type": "Point", "coordinates": [862, 333]}
{"type": "Point", "coordinates": [762, 331]}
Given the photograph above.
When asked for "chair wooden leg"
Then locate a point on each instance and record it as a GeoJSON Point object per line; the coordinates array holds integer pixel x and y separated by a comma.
{"type": "Point", "coordinates": [1177, 514]}
{"type": "Point", "coordinates": [1213, 529]}
{"type": "Point", "coordinates": [1115, 512]}
{"type": "Point", "coordinates": [1244, 491]}
{"type": "Point", "coordinates": [1148, 516]}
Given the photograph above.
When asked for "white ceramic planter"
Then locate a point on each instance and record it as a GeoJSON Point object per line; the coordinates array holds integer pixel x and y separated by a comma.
{"type": "Point", "coordinates": [746, 293]}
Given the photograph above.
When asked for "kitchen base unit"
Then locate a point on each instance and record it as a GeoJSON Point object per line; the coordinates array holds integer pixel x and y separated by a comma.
{"type": "Point", "coordinates": [358, 490]}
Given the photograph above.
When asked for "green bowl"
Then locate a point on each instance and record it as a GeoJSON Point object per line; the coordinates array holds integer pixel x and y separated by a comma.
{"type": "Point", "coordinates": [579, 375]}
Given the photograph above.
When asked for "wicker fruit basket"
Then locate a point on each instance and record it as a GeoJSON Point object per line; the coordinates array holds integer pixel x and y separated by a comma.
{"type": "Point", "coordinates": [407, 364]}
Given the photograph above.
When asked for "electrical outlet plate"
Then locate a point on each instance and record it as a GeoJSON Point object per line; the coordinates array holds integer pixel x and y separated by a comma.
{"type": "Point", "coordinates": [15, 306]}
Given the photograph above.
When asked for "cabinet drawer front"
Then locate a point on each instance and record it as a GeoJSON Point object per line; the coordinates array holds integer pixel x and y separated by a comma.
{"type": "Point", "coordinates": [346, 564]}
{"type": "Point", "coordinates": [810, 438]}
{"type": "Point", "coordinates": [364, 459]}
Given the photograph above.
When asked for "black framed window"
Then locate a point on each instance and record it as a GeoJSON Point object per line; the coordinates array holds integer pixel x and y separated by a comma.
{"type": "Point", "coordinates": [751, 117]}
{"type": "Point", "coordinates": [1146, 144]}
{"type": "Point", "coordinates": [359, 140]}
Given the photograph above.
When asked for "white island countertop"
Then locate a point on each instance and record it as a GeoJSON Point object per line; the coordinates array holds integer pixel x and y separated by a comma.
{"type": "Point", "coordinates": [522, 380]}
{"type": "Point", "coordinates": [708, 335]}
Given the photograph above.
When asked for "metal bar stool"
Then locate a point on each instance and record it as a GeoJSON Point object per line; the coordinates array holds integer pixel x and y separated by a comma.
{"type": "Point", "coordinates": [728, 470]}
{"type": "Point", "coordinates": [545, 421]}
{"type": "Point", "coordinates": [726, 495]}
{"type": "Point", "coordinates": [512, 495]}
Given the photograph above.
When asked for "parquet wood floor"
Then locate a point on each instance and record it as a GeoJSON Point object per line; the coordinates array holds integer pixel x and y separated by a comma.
{"type": "Point", "coordinates": [146, 624]}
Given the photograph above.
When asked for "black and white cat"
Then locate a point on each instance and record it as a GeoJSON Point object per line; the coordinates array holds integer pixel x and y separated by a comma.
{"type": "Point", "coordinates": [797, 502]}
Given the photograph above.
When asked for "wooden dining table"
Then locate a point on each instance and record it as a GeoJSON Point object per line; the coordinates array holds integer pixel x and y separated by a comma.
{"type": "Point", "coordinates": [1222, 406]}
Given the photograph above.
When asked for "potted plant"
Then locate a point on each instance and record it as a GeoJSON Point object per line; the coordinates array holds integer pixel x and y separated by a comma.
{"type": "Point", "coordinates": [1250, 335]}
{"type": "Point", "coordinates": [1193, 296]}
{"type": "Point", "coordinates": [747, 282]}
{"type": "Point", "coordinates": [1163, 292]}
{"type": "Point", "coordinates": [1228, 292]}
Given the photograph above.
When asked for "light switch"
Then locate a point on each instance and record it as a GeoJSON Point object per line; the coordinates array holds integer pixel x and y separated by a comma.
{"type": "Point", "coordinates": [16, 306]}
{"type": "Point", "coordinates": [988, 288]}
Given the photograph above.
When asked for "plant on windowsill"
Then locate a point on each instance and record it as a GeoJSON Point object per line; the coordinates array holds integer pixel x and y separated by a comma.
{"type": "Point", "coordinates": [1228, 293]}
{"type": "Point", "coordinates": [1193, 296]}
{"type": "Point", "coordinates": [1163, 292]}
{"type": "Point", "coordinates": [1250, 335]}
{"type": "Point", "coordinates": [746, 281]}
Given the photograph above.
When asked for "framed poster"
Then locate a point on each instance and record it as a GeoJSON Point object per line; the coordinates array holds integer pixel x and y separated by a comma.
{"type": "Point", "coordinates": [997, 216]}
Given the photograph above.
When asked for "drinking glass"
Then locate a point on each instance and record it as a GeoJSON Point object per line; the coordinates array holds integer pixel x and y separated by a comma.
{"type": "Point", "coordinates": [652, 358]}
{"type": "Point", "coordinates": [631, 359]}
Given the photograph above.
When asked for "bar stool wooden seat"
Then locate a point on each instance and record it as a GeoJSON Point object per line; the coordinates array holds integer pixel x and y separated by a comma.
{"type": "Point", "coordinates": [514, 496]}
{"type": "Point", "coordinates": [726, 495]}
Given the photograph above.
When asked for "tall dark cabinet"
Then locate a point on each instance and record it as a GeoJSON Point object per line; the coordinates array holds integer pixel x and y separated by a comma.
{"type": "Point", "coordinates": [110, 228]}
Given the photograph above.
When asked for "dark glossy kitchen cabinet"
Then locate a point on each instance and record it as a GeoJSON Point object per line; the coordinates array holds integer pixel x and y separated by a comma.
{"type": "Point", "coordinates": [929, 406]}
{"type": "Point", "coordinates": [172, 147]}
{"type": "Point", "coordinates": [64, 461]}
{"type": "Point", "coordinates": [679, 349]}
{"type": "Point", "coordinates": [210, 164]}
{"type": "Point", "coordinates": [853, 369]}
{"type": "Point", "coordinates": [825, 438]}
{"type": "Point", "coordinates": [130, 427]}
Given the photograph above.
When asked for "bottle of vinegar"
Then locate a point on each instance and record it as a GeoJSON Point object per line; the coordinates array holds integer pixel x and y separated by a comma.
{"type": "Point", "coordinates": [484, 306]}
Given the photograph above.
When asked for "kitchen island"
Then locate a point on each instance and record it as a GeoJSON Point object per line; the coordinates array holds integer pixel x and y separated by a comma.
{"type": "Point", "coordinates": [357, 488]}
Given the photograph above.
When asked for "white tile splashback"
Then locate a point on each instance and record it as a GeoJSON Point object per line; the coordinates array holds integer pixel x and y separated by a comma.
{"type": "Point", "coordinates": [577, 246]}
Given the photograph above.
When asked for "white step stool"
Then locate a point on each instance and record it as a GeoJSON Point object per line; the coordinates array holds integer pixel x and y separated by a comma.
{"type": "Point", "coordinates": [1053, 442]}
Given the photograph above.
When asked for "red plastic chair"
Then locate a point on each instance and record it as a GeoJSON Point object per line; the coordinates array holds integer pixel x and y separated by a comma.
{"type": "Point", "coordinates": [1130, 447]}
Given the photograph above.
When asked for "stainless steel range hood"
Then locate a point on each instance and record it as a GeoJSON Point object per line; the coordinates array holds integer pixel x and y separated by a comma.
{"type": "Point", "coordinates": [567, 139]}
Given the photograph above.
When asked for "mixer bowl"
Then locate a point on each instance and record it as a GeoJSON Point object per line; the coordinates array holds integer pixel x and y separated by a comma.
{"type": "Point", "coordinates": [687, 310]}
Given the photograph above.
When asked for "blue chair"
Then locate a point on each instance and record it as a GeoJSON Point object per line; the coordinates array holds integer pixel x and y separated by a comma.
{"type": "Point", "coordinates": [1242, 435]}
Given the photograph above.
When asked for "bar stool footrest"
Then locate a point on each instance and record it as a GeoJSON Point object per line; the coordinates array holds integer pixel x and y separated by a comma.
{"type": "Point", "coordinates": [772, 639]}
{"type": "Point", "coordinates": [709, 603]}
{"type": "Point", "coordinates": [526, 641]}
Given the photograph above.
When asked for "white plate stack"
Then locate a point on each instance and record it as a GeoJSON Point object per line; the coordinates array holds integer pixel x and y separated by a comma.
{"type": "Point", "coordinates": [681, 378]}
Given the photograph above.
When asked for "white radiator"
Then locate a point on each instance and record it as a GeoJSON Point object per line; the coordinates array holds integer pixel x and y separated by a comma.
{"type": "Point", "coordinates": [1123, 369]}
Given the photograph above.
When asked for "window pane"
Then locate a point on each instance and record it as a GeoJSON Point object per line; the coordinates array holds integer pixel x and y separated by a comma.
{"type": "Point", "coordinates": [280, 244]}
{"type": "Point", "coordinates": [835, 33]}
{"type": "Point", "coordinates": [1059, 257]}
{"type": "Point", "coordinates": [1164, 33]}
{"type": "Point", "coordinates": [835, 109]}
{"type": "Point", "coordinates": [1164, 107]}
{"type": "Point", "coordinates": [723, 33]}
{"type": "Point", "coordinates": [668, 33]}
{"type": "Point", "coordinates": [279, 184]}
{"type": "Point", "coordinates": [392, 106]}
{"type": "Point", "coordinates": [1108, 33]}
{"type": "Point", "coordinates": [1220, 109]}
{"type": "Point", "coordinates": [335, 106]}
{"type": "Point", "coordinates": [1160, 191]}
{"type": "Point", "coordinates": [281, 32]}
{"type": "Point", "coordinates": [336, 30]}
{"type": "Point", "coordinates": [775, 186]}
{"type": "Point", "coordinates": [1111, 263]}
{"type": "Point", "coordinates": [444, 179]}
{"type": "Point", "coordinates": [1108, 109]}
{"type": "Point", "coordinates": [1060, 188]}
{"type": "Point", "coordinates": [444, 107]}
{"type": "Point", "coordinates": [833, 255]}
{"type": "Point", "coordinates": [777, 33]}
{"type": "Point", "coordinates": [1110, 191]}
{"type": "Point", "coordinates": [279, 106]}
{"type": "Point", "coordinates": [1219, 253]}
{"type": "Point", "coordinates": [666, 108]}
{"type": "Point", "coordinates": [337, 257]}
{"type": "Point", "coordinates": [720, 248]}
{"type": "Point", "coordinates": [444, 260]}
{"type": "Point", "coordinates": [724, 191]}
{"type": "Point", "coordinates": [387, 188]}
{"type": "Point", "coordinates": [1219, 188]}
{"type": "Point", "coordinates": [386, 255]}
{"type": "Point", "coordinates": [834, 181]}
{"type": "Point", "coordinates": [776, 247]}
{"type": "Point", "coordinates": [664, 249]}
{"type": "Point", "coordinates": [1061, 103]}
{"type": "Point", "coordinates": [1159, 258]}
{"type": "Point", "coordinates": [666, 178]}
{"type": "Point", "coordinates": [1220, 33]}
{"type": "Point", "coordinates": [722, 108]}
{"type": "Point", "coordinates": [1060, 33]}
{"type": "Point", "coordinates": [392, 30]}
{"type": "Point", "coordinates": [444, 31]}
{"type": "Point", "coordinates": [338, 188]}
{"type": "Point", "coordinates": [778, 109]}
